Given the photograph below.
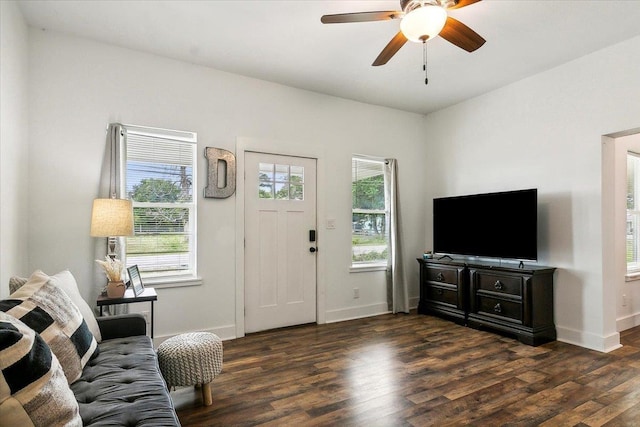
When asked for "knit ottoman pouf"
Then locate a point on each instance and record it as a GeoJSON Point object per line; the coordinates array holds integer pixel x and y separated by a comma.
{"type": "Point", "coordinates": [189, 359]}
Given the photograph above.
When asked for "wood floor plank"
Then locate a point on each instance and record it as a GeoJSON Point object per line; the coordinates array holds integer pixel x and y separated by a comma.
{"type": "Point", "coordinates": [415, 370]}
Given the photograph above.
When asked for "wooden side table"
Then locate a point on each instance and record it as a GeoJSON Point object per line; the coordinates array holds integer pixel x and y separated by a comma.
{"type": "Point", "coordinates": [149, 294]}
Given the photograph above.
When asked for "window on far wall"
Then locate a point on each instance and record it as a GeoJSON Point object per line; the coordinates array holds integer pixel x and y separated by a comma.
{"type": "Point", "coordinates": [369, 237]}
{"type": "Point", "coordinates": [160, 174]}
{"type": "Point", "coordinates": [633, 213]}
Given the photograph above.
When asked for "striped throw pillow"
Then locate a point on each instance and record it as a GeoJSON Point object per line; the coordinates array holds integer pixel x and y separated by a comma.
{"type": "Point", "coordinates": [48, 310]}
{"type": "Point", "coordinates": [35, 390]}
{"type": "Point", "coordinates": [67, 282]}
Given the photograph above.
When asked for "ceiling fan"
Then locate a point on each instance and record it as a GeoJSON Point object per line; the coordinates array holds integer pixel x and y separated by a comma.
{"type": "Point", "coordinates": [421, 20]}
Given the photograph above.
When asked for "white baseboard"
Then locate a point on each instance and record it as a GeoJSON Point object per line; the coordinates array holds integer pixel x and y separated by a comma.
{"type": "Point", "coordinates": [628, 322]}
{"type": "Point", "coordinates": [351, 313]}
{"type": "Point", "coordinates": [600, 343]}
{"type": "Point", "coordinates": [224, 332]}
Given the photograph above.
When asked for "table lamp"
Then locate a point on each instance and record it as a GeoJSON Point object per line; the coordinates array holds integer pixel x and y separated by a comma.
{"type": "Point", "coordinates": [112, 218]}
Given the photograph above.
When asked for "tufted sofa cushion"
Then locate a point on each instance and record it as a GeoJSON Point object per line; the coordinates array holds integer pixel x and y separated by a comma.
{"type": "Point", "coordinates": [123, 386]}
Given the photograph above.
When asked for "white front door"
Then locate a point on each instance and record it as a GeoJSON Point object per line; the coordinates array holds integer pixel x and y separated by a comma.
{"type": "Point", "coordinates": [280, 257]}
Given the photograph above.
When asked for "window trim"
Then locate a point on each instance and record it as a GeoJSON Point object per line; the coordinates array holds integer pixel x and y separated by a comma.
{"type": "Point", "coordinates": [362, 267]}
{"type": "Point", "coordinates": [190, 278]}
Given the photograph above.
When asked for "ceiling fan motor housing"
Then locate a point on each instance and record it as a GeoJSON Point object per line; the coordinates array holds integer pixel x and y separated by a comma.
{"type": "Point", "coordinates": [409, 5]}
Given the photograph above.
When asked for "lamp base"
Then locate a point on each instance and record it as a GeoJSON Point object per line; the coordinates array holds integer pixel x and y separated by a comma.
{"type": "Point", "coordinates": [111, 245]}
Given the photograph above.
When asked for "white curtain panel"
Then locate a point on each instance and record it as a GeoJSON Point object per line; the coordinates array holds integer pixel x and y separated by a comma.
{"type": "Point", "coordinates": [396, 282]}
{"type": "Point", "coordinates": [109, 187]}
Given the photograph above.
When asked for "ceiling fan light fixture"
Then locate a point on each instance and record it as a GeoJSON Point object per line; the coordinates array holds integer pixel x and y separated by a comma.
{"type": "Point", "coordinates": [423, 23]}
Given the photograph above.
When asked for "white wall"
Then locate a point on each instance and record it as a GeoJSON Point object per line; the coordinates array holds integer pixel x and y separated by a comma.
{"type": "Point", "coordinates": [78, 86]}
{"type": "Point", "coordinates": [13, 143]}
{"type": "Point", "coordinates": [545, 132]}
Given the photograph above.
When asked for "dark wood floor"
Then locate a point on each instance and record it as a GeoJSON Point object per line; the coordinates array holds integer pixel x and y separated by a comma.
{"type": "Point", "coordinates": [414, 370]}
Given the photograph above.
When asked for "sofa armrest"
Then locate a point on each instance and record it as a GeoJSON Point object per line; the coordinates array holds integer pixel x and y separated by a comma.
{"type": "Point", "coordinates": [122, 325]}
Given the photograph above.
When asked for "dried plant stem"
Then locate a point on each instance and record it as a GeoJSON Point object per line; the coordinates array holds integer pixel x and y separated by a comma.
{"type": "Point", "coordinates": [112, 268]}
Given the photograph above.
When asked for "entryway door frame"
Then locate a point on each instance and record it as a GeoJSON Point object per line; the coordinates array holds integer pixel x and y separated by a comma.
{"type": "Point", "coordinates": [614, 268]}
{"type": "Point", "coordinates": [286, 149]}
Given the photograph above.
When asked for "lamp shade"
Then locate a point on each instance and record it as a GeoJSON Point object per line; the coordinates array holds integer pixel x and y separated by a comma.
{"type": "Point", "coordinates": [111, 218]}
{"type": "Point", "coordinates": [423, 23]}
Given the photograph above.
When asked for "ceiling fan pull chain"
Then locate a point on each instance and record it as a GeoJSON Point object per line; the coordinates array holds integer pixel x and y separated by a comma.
{"type": "Point", "coordinates": [424, 61]}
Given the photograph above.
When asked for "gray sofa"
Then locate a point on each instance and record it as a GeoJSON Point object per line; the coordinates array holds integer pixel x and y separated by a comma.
{"type": "Point", "coordinates": [123, 385]}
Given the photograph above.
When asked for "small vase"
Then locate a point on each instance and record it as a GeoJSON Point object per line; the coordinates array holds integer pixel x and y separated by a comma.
{"type": "Point", "coordinates": [115, 289]}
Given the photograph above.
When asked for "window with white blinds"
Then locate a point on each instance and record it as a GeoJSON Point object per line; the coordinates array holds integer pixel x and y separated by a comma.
{"type": "Point", "coordinates": [633, 214]}
{"type": "Point", "coordinates": [159, 178]}
{"type": "Point", "coordinates": [369, 236]}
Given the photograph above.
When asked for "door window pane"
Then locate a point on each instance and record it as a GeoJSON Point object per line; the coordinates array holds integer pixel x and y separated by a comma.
{"type": "Point", "coordinates": [282, 191]}
{"type": "Point", "coordinates": [296, 192]}
{"type": "Point", "coordinates": [281, 182]}
{"type": "Point", "coordinates": [265, 190]}
{"type": "Point", "coordinates": [282, 173]}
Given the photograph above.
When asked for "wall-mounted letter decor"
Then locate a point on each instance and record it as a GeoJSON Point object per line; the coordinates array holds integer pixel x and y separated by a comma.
{"type": "Point", "coordinates": [224, 160]}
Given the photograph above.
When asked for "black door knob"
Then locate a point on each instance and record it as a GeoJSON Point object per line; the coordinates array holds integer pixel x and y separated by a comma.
{"type": "Point", "coordinates": [312, 249]}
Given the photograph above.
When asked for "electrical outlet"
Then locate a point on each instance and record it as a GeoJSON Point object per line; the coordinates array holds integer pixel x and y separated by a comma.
{"type": "Point", "coordinates": [147, 316]}
{"type": "Point", "coordinates": [356, 293]}
{"type": "Point", "coordinates": [624, 300]}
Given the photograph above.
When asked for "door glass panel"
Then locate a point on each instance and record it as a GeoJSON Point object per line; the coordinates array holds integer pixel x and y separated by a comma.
{"type": "Point", "coordinates": [266, 172]}
{"type": "Point", "coordinates": [265, 190]}
{"type": "Point", "coordinates": [297, 174]}
{"type": "Point", "coordinates": [296, 192]}
{"type": "Point", "coordinates": [282, 173]}
{"type": "Point", "coordinates": [282, 191]}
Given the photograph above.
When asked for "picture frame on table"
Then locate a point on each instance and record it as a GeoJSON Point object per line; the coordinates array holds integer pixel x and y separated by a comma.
{"type": "Point", "coordinates": [135, 280]}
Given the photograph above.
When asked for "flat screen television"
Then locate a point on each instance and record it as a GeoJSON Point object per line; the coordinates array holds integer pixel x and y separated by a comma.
{"type": "Point", "coordinates": [492, 225]}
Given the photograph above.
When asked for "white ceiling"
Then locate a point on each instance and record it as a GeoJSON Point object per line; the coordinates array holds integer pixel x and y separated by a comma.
{"type": "Point", "coordinates": [284, 42]}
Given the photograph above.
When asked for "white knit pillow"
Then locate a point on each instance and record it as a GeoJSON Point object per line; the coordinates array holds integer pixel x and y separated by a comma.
{"type": "Point", "coordinates": [35, 390]}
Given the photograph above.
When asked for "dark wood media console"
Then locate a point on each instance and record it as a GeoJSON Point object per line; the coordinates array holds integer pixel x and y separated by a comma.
{"type": "Point", "coordinates": [517, 301]}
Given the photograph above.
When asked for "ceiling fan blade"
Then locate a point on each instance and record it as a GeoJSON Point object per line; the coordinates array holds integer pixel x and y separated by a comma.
{"type": "Point", "coordinates": [462, 36]}
{"type": "Point", "coordinates": [342, 18]}
{"type": "Point", "coordinates": [463, 3]}
{"type": "Point", "coordinates": [390, 49]}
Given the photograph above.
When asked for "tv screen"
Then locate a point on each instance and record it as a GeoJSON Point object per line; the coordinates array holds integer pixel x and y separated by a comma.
{"type": "Point", "coordinates": [493, 225]}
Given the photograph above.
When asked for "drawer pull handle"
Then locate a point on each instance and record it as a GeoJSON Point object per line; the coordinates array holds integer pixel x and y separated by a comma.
{"type": "Point", "coordinates": [497, 308]}
{"type": "Point", "coordinates": [439, 291]}
{"type": "Point", "coordinates": [440, 277]}
{"type": "Point", "coordinates": [498, 285]}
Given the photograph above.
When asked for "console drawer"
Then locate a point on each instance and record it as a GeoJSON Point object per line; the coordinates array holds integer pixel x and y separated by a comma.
{"type": "Point", "coordinates": [442, 274]}
{"type": "Point", "coordinates": [509, 310]}
{"type": "Point", "coordinates": [502, 283]}
{"type": "Point", "coordinates": [441, 294]}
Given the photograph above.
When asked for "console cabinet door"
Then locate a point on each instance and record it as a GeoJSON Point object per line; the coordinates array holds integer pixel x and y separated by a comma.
{"type": "Point", "coordinates": [499, 295]}
{"type": "Point", "coordinates": [443, 290]}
